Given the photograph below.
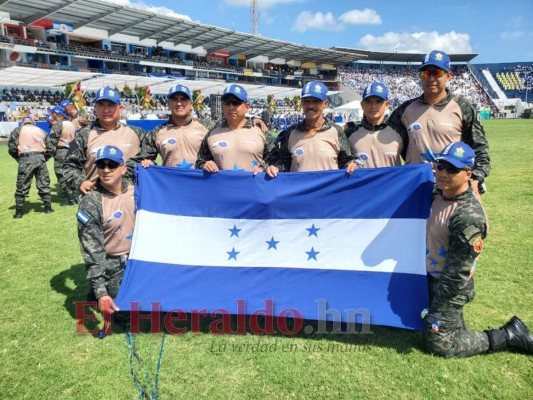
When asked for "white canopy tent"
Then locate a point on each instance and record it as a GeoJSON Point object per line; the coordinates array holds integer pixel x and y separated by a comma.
{"type": "Point", "coordinates": [351, 111]}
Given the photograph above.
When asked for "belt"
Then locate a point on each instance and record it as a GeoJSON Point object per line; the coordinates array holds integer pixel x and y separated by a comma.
{"type": "Point", "coordinates": [33, 153]}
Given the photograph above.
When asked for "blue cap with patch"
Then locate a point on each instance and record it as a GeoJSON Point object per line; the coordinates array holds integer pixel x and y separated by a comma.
{"type": "Point", "coordinates": [315, 89]}
{"type": "Point", "coordinates": [66, 103]}
{"type": "Point", "coordinates": [58, 110]}
{"type": "Point", "coordinates": [437, 59]}
{"type": "Point", "coordinates": [376, 89]}
{"type": "Point", "coordinates": [459, 154]}
{"type": "Point", "coordinates": [179, 89]}
{"type": "Point", "coordinates": [237, 90]}
{"type": "Point", "coordinates": [107, 94]}
{"type": "Point", "coordinates": [112, 153]}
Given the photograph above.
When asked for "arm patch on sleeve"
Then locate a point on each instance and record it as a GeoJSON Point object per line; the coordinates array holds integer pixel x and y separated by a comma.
{"type": "Point", "coordinates": [83, 217]}
{"type": "Point", "coordinates": [471, 234]}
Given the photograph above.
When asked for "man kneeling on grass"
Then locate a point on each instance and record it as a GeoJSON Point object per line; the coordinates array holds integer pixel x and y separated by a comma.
{"type": "Point", "coordinates": [455, 233]}
{"type": "Point", "coordinates": [105, 225]}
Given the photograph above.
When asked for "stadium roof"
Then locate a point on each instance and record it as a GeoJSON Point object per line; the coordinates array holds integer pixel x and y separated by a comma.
{"type": "Point", "coordinates": [400, 57]}
{"type": "Point", "coordinates": [120, 19]}
{"type": "Point", "coordinates": [57, 79]}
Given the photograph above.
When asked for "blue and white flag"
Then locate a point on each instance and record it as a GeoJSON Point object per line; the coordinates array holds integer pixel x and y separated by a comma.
{"type": "Point", "coordinates": [325, 245]}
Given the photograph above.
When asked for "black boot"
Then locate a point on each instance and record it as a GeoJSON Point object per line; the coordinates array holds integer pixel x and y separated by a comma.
{"type": "Point", "coordinates": [514, 334]}
{"type": "Point", "coordinates": [71, 200]}
{"type": "Point", "coordinates": [48, 209]}
{"type": "Point", "coordinates": [18, 212]}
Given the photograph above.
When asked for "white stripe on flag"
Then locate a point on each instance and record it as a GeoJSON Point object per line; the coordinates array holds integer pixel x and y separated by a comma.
{"type": "Point", "coordinates": [335, 244]}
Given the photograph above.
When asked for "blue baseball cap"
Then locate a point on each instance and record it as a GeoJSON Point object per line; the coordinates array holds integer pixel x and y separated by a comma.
{"type": "Point", "coordinates": [112, 153]}
{"type": "Point", "coordinates": [107, 94]}
{"type": "Point", "coordinates": [66, 103]}
{"type": "Point", "coordinates": [58, 110]}
{"type": "Point", "coordinates": [179, 89]}
{"type": "Point", "coordinates": [437, 59]}
{"type": "Point", "coordinates": [315, 89]}
{"type": "Point", "coordinates": [237, 90]}
{"type": "Point", "coordinates": [27, 120]}
{"type": "Point", "coordinates": [459, 154]}
{"type": "Point", "coordinates": [376, 89]}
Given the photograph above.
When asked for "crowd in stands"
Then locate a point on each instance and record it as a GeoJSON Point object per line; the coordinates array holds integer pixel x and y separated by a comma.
{"type": "Point", "coordinates": [404, 83]}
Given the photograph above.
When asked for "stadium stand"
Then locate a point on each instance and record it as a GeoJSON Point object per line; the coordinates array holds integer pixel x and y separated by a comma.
{"type": "Point", "coordinates": [48, 52]}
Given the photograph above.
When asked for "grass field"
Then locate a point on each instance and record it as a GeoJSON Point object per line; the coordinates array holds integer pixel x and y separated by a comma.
{"type": "Point", "coordinates": [42, 357]}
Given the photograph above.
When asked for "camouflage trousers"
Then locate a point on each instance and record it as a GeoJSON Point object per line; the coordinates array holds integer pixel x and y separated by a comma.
{"type": "Point", "coordinates": [113, 275]}
{"type": "Point", "coordinates": [59, 161]}
{"type": "Point", "coordinates": [30, 166]}
{"type": "Point", "coordinates": [453, 339]}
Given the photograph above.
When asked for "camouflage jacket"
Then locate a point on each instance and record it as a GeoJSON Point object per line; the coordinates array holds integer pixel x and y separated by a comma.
{"type": "Point", "coordinates": [13, 143]}
{"type": "Point", "coordinates": [472, 132]}
{"type": "Point", "coordinates": [456, 230]}
{"type": "Point", "coordinates": [77, 154]}
{"type": "Point", "coordinates": [92, 236]}
{"type": "Point", "coordinates": [285, 157]}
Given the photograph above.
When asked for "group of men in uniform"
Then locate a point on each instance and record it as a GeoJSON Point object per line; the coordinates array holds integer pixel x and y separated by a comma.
{"type": "Point", "coordinates": [435, 127]}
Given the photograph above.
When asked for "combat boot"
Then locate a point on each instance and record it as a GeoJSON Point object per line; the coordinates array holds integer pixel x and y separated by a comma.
{"type": "Point", "coordinates": [518, 335]}
{"type": "Point", "coordinates": [514, 334]}
{"type": "Point", "coordinates": [18, 212]}
{"type": "Point", "coordinates": [48, 209]}
{"type": "Point", "coordinates": [71, 200]}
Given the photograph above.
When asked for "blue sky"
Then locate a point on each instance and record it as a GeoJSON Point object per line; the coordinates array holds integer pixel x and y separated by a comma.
{"type": "Point", "coordinates": [499, 31]}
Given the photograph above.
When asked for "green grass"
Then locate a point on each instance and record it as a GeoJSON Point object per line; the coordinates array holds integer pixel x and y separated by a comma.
{"type": "Point", "coordinates": [42, 357]}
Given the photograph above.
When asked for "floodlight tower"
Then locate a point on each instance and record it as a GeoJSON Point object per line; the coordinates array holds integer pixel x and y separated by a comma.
{"type": "Point", "coordinates": [254, 19]}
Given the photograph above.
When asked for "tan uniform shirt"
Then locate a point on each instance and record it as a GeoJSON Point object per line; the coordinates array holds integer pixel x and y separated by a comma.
{"type": "Point", "coordinates": [240, 149]}
{"type": "Point", "coordinates": [118, 219]}
{"type": "Point", "coordinates": [179, 146]}
{"type": "Point", "coordinates": [376, 146]}
{"type": "Point", "coordinates": [123, 137]}
{"type": "Point", "coordinates": [67, 134]}
{"type": "Point", "coordinates": [31, 139]}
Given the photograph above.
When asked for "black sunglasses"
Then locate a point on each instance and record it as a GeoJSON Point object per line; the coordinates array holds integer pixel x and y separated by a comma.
{"type": "Point", "coordinates": [449, 168]}
{"type": "Point", "coordinates": [234, 103]}
{"type": "Point", "coordinates": [109, 164]}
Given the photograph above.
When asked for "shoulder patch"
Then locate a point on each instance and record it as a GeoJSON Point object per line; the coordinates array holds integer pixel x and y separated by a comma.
{"type": "Point", "coordinates": [472, 233]}
{"type": "Point", "coordinates": [478, 244]}
{"type": "Point", "coordinates": [83, 217]}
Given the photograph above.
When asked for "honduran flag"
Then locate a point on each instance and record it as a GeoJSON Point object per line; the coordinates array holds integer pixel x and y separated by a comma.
{"type": "Point", "coordinates": [326, 245]}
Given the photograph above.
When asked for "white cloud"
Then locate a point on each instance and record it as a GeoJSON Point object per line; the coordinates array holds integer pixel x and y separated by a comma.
{"type": "Point", "coordinates": [262, 3]}
{"type": "Point", "coordinates": [418, 42]}
{"type": "Point", "coordinates": [361, 17]}
{"type": "Point", "coordinates": [320, 21]}
{"type": "Point", "coordinates": [515, 35]}
{"type": "Point", "coordinates": [157, 10]}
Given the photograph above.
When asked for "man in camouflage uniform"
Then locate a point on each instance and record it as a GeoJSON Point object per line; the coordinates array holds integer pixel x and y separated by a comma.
{"type": "Point", "coordinates": [179, 139]}
{"type": "Point", "coordinates": [73, 115]}
{"type": "Point", "coordinates": [437, 117]}
{"type": "Point", "coordinates": [62, 133]}
{"type": "Point", "coordinates": [80, 171]}
{"type": "Point", "coordinates": [313, 144]}
{"type": "Point", "coordinates": [30, 146]}
{"type": "Point", "coordinates": [105, 225]}
{"type": "Point", "coordinates": [456, 230]}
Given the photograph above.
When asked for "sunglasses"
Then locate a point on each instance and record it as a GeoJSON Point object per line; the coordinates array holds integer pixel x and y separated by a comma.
{"type": "Point", "coordinates": [449, 168]}
{"type": "Point", "coordinates": [109, 164]}
{"type": "Point", "coordinates": [436, 73]}
{"type": "Point", "coordinates": [234, 103]}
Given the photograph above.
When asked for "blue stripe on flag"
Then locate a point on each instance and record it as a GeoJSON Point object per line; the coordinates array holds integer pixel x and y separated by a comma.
{"type": "Point", "coordinates": [392, 299]}
{"type": "Point", "coordinates": [367, 193]}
